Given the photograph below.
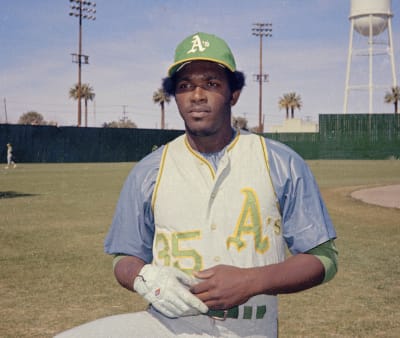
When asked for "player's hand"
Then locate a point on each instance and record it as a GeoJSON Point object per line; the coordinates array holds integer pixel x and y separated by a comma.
{"type": "Point", "coordinates": [222, 286]}
{"type": "Point", "coordinates": [167, 289]}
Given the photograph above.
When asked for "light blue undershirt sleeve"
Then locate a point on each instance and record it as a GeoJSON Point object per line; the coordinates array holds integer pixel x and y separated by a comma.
{"type": "Point", "coordinates": [132, 229]}
{"type": "Point", "coordinates": [305, 219]}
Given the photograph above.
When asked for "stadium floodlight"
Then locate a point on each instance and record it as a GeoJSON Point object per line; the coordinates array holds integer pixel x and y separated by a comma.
{"type": "Point", "coordinates": [261, 30]}
{"type": "Point", "coordinates": [79, 9]}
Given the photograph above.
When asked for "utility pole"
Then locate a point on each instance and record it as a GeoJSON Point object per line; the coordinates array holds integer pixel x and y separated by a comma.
{"type": "Point", "coordinates": [261, 30]}
{"type": "Point", "coordinates": [124, 118]}
{"type": "Point", "coordinates": [82, 10]}
{"type": "Point", "coordinates": [5, 110]}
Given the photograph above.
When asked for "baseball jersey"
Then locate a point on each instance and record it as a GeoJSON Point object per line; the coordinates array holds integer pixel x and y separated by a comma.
{"type": "Point", "coordinates": [9, 153]}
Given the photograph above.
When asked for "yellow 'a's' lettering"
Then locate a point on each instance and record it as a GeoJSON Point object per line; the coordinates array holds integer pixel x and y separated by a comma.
{"type": "Point", "coordinates": [249, 222]}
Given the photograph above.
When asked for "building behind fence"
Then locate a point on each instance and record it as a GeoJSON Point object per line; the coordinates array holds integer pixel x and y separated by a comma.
{"type": "Point", "coordinates": [358, 136]}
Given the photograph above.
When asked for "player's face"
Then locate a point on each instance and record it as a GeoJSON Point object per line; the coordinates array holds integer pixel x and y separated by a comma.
{"type": "Point", "coordinates": [204, 98]}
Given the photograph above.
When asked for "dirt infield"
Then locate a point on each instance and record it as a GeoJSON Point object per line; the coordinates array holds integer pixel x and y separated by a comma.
{"type": "Point", "coordinates": [385, 196]}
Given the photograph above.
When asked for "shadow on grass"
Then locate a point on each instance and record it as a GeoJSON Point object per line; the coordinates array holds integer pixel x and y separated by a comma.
{"type": "Point", "coordinates": [14, 194]}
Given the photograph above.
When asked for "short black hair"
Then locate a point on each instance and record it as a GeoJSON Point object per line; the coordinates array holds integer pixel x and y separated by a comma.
{"type": "Point", "coordinates": [236, 81]}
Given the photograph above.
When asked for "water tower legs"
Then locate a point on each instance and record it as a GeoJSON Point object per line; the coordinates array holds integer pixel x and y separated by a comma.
{"type": "Point", "coordinates": [391, 51]}
{"type": "Point", "coordinates": [369, 51]}
{"type": "Point", "coordinates": [349, 58]}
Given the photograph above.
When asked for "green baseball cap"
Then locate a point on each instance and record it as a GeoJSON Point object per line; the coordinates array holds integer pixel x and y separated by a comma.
{"type": "Point", "coordinates": [202, 46]}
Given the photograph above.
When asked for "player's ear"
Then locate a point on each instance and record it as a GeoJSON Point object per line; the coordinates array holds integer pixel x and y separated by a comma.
{"type": "Point", "coordinates": [235, 97]}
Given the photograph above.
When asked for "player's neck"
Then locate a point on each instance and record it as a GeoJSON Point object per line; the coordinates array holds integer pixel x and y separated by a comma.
{"type": "Point", "coordinates": [210, 143]}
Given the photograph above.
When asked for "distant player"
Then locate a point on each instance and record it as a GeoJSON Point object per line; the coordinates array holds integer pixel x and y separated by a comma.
{"type": "Point", "coordinates": [10, 159]}
{"type": "Point", "coordinates": [202, 223]}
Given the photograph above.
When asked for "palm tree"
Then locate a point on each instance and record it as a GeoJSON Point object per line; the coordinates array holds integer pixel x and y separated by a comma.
{"type": "Point", "coordinates": [393, 97]}
{"type": "Point", "coordinates": [290, 101]}
{"type": "Point", "coordinates": [160, 97]}
{"type": "Point", "coordinates": [284, 102]}
{"type": "Point", "coordinates": [295, 103]}
{"type": "Point", "coordinates": [86, 94]}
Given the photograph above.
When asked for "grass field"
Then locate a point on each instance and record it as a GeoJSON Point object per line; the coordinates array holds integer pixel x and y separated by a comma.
{"type": "Point", "coordinates": [54, 274]}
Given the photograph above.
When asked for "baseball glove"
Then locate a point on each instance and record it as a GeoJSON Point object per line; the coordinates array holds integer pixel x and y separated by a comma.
{"type": "Point", "coordinates": [166, 288]}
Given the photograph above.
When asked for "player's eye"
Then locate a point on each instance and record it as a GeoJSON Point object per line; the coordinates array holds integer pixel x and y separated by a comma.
{"type": "Point", "coordinates": [213, 84]}
{"type": "Point", "coordinates": [184, 86]}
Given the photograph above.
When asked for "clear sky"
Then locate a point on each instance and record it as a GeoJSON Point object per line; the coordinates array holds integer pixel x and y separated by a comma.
{"type": "Point", "coordinates": [131, 44]}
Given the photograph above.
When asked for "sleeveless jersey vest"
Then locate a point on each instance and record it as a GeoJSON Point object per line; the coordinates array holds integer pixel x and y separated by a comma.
{"type": "Point", "coordinates": [204, 218]}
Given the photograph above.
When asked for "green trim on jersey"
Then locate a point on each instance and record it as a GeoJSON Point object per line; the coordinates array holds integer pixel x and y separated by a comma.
{"type": "Point", "coordinates": [327, 253]}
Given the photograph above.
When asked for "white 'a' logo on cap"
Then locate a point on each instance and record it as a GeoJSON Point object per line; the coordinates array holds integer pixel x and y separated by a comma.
{"type": "Point", "coordinates": [198, 45]}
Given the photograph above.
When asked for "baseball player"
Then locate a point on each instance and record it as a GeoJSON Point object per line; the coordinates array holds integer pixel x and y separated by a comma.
{"type": "Point", "coordinates": [10, 159]}
{"type": "Point", "coordinates": [202, 223]}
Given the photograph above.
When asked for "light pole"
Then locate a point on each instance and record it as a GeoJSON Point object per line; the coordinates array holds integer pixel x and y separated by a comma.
{"type": "Point", "coordinates": [261, 30]}
{"type": "Point", "coordinates": [82, 10]}
{"type": "Point", "coordinates": [5, 110]}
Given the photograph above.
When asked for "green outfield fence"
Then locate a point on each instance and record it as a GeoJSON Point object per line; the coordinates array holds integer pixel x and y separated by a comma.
{"type": "Point", "coordinates": [351, 136]}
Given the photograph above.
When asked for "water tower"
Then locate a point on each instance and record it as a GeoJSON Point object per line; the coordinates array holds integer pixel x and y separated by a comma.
{"type": "Point", "coordinates": [369, 20]}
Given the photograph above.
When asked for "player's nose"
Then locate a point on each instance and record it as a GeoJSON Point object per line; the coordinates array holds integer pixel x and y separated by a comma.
{"type": "Point", "coordinates": [199, 94]}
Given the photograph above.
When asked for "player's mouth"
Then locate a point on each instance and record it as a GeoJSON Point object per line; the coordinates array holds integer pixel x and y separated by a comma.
{"type": "Point", "coordinates": [199, 112]}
